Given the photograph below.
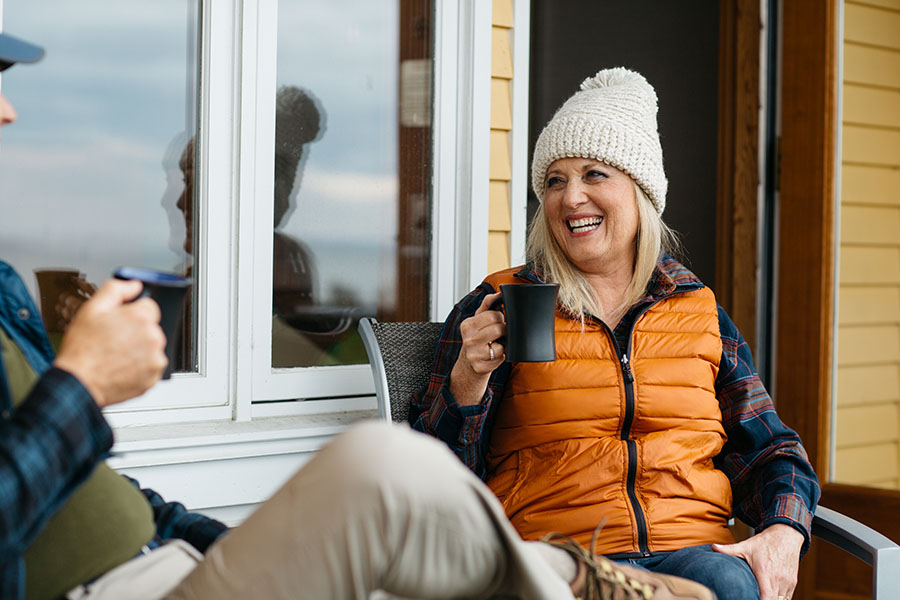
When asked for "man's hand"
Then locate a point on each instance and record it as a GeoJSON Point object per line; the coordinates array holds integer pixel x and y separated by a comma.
{"type": "Point", "coordinates": [116, 349]}
{"type": "Point", "coordinates": [773, 556]}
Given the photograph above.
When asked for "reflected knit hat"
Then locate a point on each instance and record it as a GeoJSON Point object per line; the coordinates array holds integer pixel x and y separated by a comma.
{"type": "Point", "coordinates": [612, 118]}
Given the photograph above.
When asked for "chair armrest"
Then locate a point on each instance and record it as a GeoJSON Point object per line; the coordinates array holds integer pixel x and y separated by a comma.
{"type": "Point", "coordinates": [864, 543]}
{"type": "Point", "coordinates": [370, 341]}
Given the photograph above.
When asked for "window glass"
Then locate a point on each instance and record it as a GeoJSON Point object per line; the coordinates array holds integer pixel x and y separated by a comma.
{"type": "Point", "coordinates": [94, 171]}
{"type": "Point", "coordinates": [352, 171]}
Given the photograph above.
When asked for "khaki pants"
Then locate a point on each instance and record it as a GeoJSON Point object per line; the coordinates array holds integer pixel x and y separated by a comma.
{"type": "Point", "coordinates": [380, 508]}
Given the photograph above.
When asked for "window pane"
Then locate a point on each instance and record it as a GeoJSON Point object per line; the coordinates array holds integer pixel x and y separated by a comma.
{"type": "Point", "coordinates": [352, 174]}
{"type": "Point", "coordinates": [92, 171]}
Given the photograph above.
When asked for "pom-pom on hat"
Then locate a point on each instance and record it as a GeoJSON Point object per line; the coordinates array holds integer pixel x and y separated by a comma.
{"type": "Point", "coordinates": [612, 118]}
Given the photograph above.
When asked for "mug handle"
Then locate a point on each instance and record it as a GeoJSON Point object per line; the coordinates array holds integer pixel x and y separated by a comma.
{"type": "Point", "coordinates": [121, 273]}
{"type": "Point", "coordinates": [500, 307]}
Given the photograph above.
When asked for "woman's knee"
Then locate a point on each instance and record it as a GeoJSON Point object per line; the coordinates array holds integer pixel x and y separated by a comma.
{"type": "Point", "coordinates": [728, 576]}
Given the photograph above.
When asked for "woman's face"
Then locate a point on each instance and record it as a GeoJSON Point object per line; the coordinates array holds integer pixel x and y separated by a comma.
{"type": "Point", "coordinates": [592, 211]}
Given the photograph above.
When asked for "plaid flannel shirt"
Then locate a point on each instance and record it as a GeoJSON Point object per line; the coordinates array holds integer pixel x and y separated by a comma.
{"type": "Point", "coordinates": [51, 443]}
{"type": "Point", "coordinates": [771, 478]}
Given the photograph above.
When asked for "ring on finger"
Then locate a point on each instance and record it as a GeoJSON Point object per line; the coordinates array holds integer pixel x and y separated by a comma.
{"type": "Point", "coordinates": [491, 351]}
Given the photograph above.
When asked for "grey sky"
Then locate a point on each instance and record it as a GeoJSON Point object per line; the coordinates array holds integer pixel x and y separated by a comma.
{"type": "Point", "coordinates": [82, 171]}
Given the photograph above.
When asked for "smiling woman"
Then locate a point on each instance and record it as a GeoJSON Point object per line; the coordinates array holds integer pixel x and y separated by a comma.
{"type": "Point", "coordinates": [651, 427]}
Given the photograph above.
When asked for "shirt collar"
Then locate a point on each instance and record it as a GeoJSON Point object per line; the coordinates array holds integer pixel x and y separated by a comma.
{"type": "Point", "coordinates": [668, 277]}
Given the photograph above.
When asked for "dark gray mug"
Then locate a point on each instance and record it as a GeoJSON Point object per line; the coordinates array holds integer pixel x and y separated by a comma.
{"type": "Point", "coordinates": [530, 321]}
{"type": "Point", "coordinates": [169, 291]}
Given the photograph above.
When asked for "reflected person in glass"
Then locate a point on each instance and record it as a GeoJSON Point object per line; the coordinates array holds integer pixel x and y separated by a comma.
{"type": "Point", "coordinates": [302, 333]}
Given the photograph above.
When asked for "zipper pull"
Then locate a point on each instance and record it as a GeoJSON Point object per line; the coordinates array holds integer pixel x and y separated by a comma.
{"type": "Point", "coordinates": [626, 369]}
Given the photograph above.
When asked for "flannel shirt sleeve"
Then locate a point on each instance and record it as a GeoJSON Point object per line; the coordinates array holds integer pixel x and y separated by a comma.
{"type": "Point", "coordinates": [48, 446]}
{"type": "Point", "coordinates": [434, 410]}
{"type": "Point", "coordinates": [173, 521]}
{"type": "Point", "coordinates": [771, 477]}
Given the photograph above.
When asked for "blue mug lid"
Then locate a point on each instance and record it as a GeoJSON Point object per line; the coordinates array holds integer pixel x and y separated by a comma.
{"type": "Point", "coordinates": [152, 276]}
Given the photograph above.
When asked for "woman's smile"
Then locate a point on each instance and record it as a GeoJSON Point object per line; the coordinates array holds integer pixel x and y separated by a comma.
{"type": "Point", "coordinates": [582, 225]}
{"type": "Point", "coordinates": [591, 209]}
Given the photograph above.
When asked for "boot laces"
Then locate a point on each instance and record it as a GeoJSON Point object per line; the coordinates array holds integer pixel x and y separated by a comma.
{"type": "Point", "coordinates": [604, 581]}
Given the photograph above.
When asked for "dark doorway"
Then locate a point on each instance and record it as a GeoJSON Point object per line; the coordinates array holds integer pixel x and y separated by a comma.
{"type": "Point", "coordinates": [675, 45]}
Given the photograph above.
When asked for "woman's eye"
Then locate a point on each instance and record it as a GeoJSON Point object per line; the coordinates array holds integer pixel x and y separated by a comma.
{"type": "Point", "coordinates": [554, 181]}
{"type": "Point", "coordinates": [593, 174]}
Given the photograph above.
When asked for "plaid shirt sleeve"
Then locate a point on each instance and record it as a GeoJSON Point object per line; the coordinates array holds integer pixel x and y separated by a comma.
{"type": "Point", "coordinates": [771, 477]}
{"type": "Point", "coordinates": [173, 520]}
{"type": "Point", "coordinates": [48, 446]}
{"type": "Point", "coordinates": [434, 410]}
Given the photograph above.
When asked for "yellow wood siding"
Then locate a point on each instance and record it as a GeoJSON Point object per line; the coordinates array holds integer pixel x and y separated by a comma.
{"type": "Point", "coordinates": [869, 305]}
{"type": "Point", "coordinates": [871, 106]}
{"type": "Point", "coordinates": [895, 4]}
{"type": "Point", "coordinates": [871, 66]}
{"type": "Point", "coordinates": [871, 146]}
{"type": "Point", "coordinates": [868, 384]}
{"type": "Point", "coordinates": [865, 464]}
{"type": "Point", "coordinates": [501, 124]}
{"type": "Point", "coordinates": [499, 213]}
{"type": "Point", "coordinates": [867, 424]}
{"type": "Point", "coordinates": [861, 265]}
{"type": "Point", "coordinates": [868, 344]}
{"type": "Point", "coordinates": [870, 185]}
{"type": "Point", "coordinates": [870, 226]}
{"type": "Point", "coordinates": [871, 26]}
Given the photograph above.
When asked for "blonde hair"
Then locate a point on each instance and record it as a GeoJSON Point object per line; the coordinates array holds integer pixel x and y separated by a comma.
{"type": "Point", "coordinates": [576, 295]}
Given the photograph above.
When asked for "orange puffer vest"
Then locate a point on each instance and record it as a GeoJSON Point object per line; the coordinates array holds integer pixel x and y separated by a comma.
{"type": "Point", "coordinates": [591, 438]}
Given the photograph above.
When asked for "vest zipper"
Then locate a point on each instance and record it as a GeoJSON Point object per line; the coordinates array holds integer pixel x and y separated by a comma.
{"type": "Point", "coordinates": [631, 446]}
{"type": "Point", "coordinates": [627, 421]}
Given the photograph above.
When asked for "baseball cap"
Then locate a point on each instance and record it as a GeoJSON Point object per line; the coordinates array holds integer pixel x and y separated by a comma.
{"type": "Point", "coordinates": [14, 50]}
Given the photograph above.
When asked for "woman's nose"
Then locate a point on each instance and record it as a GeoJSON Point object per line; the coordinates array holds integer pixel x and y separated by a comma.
{"type": "Point", "coordinates": [573, 195]}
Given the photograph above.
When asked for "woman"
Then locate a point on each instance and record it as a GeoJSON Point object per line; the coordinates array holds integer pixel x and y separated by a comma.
{"type": "Point", "coordinates": [652, 420]}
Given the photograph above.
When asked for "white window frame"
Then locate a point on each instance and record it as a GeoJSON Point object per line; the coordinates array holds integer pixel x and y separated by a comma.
{"type": "Point", "coordinates": [200, 437]}
{"type": "Point", "coordinates": [521, 53]}
{"type": "Point", "coordinates": [208, 393]}
{"type": "Point", "coordinates": [235, 381]}
{"type": "Point", "coordinates": [461, 132]}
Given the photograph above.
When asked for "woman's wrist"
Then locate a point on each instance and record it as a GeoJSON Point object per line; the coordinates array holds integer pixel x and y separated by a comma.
{"type": "Point", "coordinates": [467, 386]}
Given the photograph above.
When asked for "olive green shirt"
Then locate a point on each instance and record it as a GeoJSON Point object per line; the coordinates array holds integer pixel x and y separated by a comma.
{"type": "Point", "coordinates": [104, 523]}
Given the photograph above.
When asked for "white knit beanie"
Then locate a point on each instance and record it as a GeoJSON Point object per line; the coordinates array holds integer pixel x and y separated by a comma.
{"type": "Point", "coordinates": [611, 119]}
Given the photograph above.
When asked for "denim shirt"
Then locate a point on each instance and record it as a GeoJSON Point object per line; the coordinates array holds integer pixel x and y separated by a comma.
{"type": "Point", "coordinates": [51, 443]}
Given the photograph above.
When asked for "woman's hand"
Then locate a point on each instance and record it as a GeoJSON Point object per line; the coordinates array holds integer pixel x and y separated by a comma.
{"type": "Point", "coordinates": [480, 353]}
{"type": "Point", "coordinates": [774, 558]}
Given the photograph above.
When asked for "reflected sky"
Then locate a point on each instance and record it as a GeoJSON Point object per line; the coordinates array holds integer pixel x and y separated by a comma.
{"type": "Point", "coordinates": [82, 171]}
{"type": "Point", "coordinates": [346, 56]}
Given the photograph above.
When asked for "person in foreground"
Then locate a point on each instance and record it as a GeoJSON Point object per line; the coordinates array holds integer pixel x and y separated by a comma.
{"type": "Point", "coordinates": [652, 422]}
{"type": "Point", "coordinates": [380, 508]}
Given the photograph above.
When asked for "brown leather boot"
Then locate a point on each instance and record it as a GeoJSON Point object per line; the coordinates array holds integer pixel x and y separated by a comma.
{"type": "Point", "coordinates": [602, 579]}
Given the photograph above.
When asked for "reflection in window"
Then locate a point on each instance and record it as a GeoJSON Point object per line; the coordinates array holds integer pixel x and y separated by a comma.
{"type": "Point", "coordinates": [95, 161]}
{"type": "Point", "coordinates": [352, 174]}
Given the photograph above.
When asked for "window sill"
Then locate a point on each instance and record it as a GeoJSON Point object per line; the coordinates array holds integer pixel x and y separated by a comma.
{"type": "Point", "coordinates": [224, 468]}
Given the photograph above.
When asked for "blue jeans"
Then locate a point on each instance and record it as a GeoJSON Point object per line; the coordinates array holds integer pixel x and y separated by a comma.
{"type": "Point", "coordinates": [729, 577]}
